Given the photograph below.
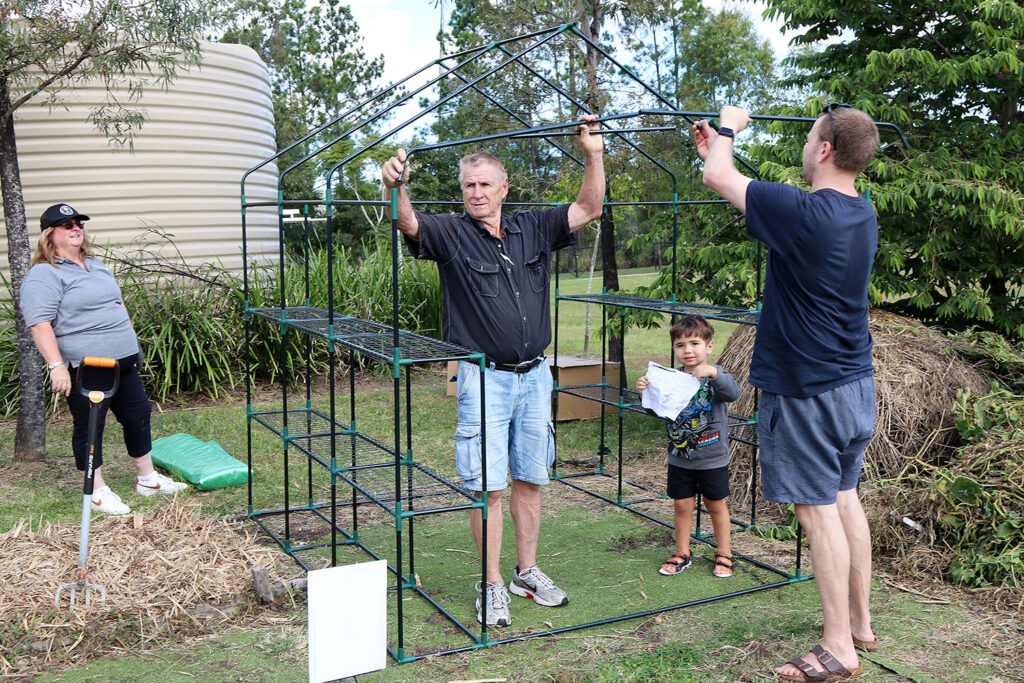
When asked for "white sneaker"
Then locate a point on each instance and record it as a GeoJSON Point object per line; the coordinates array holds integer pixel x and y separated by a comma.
{"type": "Point", "coordinates": [533, 583]}
{"type": "Point", "coordinates": [497, 604]}
{"type": "Point", "coordinates": [159, 484]}
{"type": "Point", "coordinates": [105, 500]}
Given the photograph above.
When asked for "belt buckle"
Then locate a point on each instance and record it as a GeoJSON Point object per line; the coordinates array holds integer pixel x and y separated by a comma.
{"type": "Point", "coordinates": [527, 365]}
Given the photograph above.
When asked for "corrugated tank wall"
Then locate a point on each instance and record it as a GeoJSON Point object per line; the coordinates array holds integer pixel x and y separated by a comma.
{"type": "Point", "coordinates": [183, 176]}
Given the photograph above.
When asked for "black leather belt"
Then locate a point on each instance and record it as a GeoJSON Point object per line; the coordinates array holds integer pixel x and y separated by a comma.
{"type": "Point", "coordinates": [518, 368]}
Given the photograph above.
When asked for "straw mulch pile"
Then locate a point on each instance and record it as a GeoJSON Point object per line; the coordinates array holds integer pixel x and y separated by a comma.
{"type": "Point", "coordinates": [917, 379]}
{"type": "Point", "coordinates": [156, 569]}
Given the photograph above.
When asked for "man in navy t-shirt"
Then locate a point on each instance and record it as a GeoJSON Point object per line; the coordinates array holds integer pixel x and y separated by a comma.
{"type": "Point", "coordinates": [812, 359]}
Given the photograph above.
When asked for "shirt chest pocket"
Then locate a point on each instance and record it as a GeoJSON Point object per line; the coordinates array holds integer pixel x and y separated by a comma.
{"type": "Point", "coordinates": [537, 271]}
{"type": "Point", "coordinates": [483, 277]}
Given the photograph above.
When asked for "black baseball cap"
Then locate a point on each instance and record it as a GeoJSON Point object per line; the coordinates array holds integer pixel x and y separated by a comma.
{"type": "Point", "coordinates": [59, 213]}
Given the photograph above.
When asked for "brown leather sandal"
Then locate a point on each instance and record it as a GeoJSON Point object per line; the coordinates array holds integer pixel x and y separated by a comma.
{"type": "Point", "coordinates": [675, 565]}
{"type": "Point", "coordinates": [866, 645]}
{"type": "Point", "coordinates": [833, 671]}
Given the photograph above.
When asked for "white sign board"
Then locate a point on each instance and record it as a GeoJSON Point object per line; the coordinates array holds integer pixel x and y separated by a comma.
{"type": "Point", "coordinates": [347, 609]}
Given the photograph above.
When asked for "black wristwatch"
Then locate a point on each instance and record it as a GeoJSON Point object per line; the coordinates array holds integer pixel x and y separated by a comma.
{"type": "Point", "coordinates": [727, 132]}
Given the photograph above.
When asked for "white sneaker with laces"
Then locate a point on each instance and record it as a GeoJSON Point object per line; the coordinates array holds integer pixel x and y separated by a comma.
{"type": "Point", "coordinates": [497, 604]}
{"type": "Point", "coordinates": [158, 484]}
{"type": "Point", "coordinates": [535, 584]}
{"type": "Point", "coordinates": [105, 500]}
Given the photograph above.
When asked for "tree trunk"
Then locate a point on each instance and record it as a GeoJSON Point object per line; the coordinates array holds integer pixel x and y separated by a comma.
{"type": "Point", "coordinates": [592, 29]}
{"type": "Point", "coordinates": [610, 278]}
{"type": "Point", "coordinates": [30, 437]}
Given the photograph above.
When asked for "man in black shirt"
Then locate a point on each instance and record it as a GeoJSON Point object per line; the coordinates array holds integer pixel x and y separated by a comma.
{"type": "Point", "coordinates": [494, 272]}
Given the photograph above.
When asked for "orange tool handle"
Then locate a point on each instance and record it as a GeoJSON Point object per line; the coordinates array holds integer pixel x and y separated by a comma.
{"type": "Point", "coordinates": [97, 362]}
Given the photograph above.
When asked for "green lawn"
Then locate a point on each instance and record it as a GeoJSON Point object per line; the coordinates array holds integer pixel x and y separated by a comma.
{"type": "Point", "coordinates": [604, 556]}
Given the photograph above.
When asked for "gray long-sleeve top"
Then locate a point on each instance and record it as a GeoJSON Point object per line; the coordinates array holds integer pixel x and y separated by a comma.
{"type": "Point", "coordinates": [699, 439]}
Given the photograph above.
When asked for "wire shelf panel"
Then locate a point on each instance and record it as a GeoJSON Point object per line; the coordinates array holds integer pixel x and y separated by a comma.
{"type": "Point", "coordinates": [366, 336]}
{"type": "Point", "coordinates": [609, 394]}
{"type": "Point", "coordinates": [363, 462]}
{"type": "Point", "coordinates": [420, 490]}
{"type": "Point", "coordinates": [316, 321]}
{"type": "Point", "coordinates": [415, 348]}
{"type": "Point", "coordinates": [310, 431]}
{"type": "Point", "coordinates": [724, 313]}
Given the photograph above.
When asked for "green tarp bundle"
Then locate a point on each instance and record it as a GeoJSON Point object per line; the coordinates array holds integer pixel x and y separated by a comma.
{"type": "Point", "coordinates": [204, 463]}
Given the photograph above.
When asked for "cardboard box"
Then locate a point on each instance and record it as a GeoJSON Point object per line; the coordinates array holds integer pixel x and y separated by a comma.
{"type": "Point", "coordinates": [571, 371]}
{"type": "Point", "coordinates": [574, 371]}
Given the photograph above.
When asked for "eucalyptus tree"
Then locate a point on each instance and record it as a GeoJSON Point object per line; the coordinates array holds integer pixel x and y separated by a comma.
{"type": "Point", "coordinates": [700, 60]}
{"type": "Point", "coordinates": [48, 47]}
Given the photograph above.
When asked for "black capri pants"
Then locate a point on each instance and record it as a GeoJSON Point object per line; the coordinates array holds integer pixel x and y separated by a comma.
{"type": "Point", "coordinates": [130, 406]}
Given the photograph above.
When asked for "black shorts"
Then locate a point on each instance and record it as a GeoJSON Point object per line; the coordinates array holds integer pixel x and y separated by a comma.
{"type": "Point", "coordinates": [712, 484]}
{"type": "Point", "coordinates": [130, 406]}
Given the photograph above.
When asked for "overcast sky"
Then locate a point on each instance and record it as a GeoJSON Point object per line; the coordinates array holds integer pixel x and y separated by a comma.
{"type": "Point", "coordinates": [404, 31]}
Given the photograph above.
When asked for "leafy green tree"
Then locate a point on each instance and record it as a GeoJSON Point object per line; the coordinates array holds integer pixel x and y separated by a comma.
{"type": "Point", "coordinates": [576, 67]}
{"type": "Point", "coordinates": [318, 71]}
{"type": "Point", "coordinates": [951, 211]}
{"type": "Point", "coordinates": [701, 61]}
{"type": "Point", "coordinates": [48, 47]}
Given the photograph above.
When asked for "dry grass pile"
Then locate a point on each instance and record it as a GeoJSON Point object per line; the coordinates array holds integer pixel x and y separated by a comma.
{"type": "Point", "coordinates": [917, 379]}
{"type": "Point", "coordinates": [156, 569]}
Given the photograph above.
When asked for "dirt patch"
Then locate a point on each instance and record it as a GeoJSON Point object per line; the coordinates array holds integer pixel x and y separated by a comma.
{"type": "Point", "coordinates": [655, 537]}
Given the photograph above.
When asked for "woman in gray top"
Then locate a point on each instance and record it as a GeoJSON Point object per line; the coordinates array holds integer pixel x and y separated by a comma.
{"type": "Point", "coordinates": [73, 307]}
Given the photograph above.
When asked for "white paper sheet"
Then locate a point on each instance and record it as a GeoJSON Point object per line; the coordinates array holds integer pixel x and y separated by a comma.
{"type": "Point", "coordinates": [668, 391]}
{"type": "Point", "coordinates": [347, 609]}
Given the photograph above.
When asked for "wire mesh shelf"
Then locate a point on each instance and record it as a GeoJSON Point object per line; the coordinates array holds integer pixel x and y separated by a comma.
{"type": "Point", "coordinates": [369, 337]}
{"type": "Point", "coordinates": [608, 394]}
{"type": "Point", "coordinates": [725, 313]}
{"type": "Point", "coordinates": [364, 463]}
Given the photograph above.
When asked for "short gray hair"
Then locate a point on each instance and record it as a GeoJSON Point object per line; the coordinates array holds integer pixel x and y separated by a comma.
{"type": "Point", "coordinates": [480, 158]}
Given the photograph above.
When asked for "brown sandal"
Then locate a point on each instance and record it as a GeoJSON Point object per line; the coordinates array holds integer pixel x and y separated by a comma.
{"type": "Point", "coordinates": [724, 561]}
{"type": "Point", "coordinates": [866, 645]}
{"type": "Point", "coordinates": [675, 565]}
{"type": "Point", "coordinates": [833, 671]}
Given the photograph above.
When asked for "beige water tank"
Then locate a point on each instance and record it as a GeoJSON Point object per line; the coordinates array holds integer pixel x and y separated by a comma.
{"type": "Point", "coordinates": [183, 176]}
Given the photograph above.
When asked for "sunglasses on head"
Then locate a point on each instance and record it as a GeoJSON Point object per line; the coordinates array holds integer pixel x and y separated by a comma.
{"type": "Point", "coordinates": [67, 225]}
{"type": "Point", "coordinates": [830, 107]}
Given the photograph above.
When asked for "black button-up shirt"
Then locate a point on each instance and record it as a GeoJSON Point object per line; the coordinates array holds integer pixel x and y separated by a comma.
{"type": "Point", "coordinates": [495, 291]}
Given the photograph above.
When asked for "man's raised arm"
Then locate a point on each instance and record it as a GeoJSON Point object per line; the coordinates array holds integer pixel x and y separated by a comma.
{"type": "Point", "coordinates": [590, 201]}
{"type": "Point", "coordinates": [394, 173]}
{"type": "Point", "coordinates": [715, 149]}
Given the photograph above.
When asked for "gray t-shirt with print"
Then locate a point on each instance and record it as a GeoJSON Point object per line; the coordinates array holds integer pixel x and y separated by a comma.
{"type": "Point", "coordinates": [83, 306]}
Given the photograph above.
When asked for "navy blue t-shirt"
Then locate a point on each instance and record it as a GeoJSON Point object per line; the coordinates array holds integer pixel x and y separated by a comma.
{"type": "Point", "coordinates": [812, 335]}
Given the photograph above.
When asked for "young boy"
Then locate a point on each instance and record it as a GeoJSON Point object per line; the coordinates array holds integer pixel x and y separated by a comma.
{"type": "Point", "coordinates": [698, 445]}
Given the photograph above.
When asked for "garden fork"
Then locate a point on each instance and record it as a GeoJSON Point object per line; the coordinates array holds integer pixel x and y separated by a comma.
{"type": "Point", "coordinates": [96, 398]}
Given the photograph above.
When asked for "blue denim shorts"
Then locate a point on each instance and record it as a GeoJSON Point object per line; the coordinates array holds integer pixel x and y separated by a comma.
{"type": "Point", "coordinates": [812, 448]}
{"type": "Point", "coordinates": [520, 438]}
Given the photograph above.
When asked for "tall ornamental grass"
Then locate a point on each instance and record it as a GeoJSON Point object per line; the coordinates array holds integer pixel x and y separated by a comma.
{"type": "Point", "coordinates": [190, 323]}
